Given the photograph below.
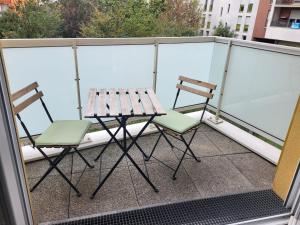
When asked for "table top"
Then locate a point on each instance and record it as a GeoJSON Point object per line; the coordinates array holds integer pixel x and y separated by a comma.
{"type": "Point", "coordinates": [123, 102]}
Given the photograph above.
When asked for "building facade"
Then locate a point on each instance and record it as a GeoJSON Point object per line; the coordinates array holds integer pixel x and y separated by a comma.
{"type": "Point", "coordinates": [239, 15]}
{"type": "Point", "coordinates": [284, 26]}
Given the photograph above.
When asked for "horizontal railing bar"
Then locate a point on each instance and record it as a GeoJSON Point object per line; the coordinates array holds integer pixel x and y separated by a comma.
{"type": "Point", "coordinates": [261, 46]}
{"type": "Point", "coordinates": [66, 42]}
{"type": "Point", "coordinates": [69, 42]}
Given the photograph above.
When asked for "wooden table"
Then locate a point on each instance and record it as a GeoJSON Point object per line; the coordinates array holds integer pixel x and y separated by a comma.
{"type": "Point", "coordinates": [122, 104]}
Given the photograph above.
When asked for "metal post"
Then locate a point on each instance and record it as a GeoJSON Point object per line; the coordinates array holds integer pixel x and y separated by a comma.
{"type": "Point", "coordinates": [217, 119]}
{"type": "Point", "coordinates": [155, 66]}
{"type": "Point", "coordinates": [77, 79]}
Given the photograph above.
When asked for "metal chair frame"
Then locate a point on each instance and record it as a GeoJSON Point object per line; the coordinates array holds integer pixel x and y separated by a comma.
{"type": "Point", "coordinates": [66, 149]}
{"type": "Point", "coordinates": [179, 136]}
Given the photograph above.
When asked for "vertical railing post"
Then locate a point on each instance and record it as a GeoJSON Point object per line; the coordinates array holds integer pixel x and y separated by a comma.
{"type": "Point", "coordinates": [217, 119]}
{"type": "Point", "coordinates": [77, 79]}
{"type": "Point", "coordinates": [155, 65]}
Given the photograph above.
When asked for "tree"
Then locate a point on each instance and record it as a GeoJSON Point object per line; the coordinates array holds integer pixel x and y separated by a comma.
{"type": "Point", "coordinates": [75, 13]}
{"type": "Point", "coordinates": [140, 18]}
{"type": "Point", "coordinates": [223, 31]}
{"type": "Point", "coordinates": [31, 19]}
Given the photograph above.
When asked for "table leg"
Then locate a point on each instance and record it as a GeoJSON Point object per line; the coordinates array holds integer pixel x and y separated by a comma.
{"type": "Point", "coordinates": [125, 150]}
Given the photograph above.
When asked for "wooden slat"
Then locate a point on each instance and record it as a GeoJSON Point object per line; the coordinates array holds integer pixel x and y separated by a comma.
{"type": "Point", "coordinates": [113, 102]}
{"type": "Point", "coordinates": [194, 91]}
{"type": "Point", "coordinates": [198, 82]}
{"type": "Point", "coordinates": [147, 104]}
{"type": "Point", "coordinates": [102, 109]}
{"type": "Point", "coordinates": [136, 106]}
{"type": "Point", "coordinates": [157, 106]}
{"type": "Point", "coordinates": [124, 102]}
{"type": "Point", "coordinates": [90, 111]}
{"type": "Point", "coordinates": [24, 91]}
{"type": "Point", "coordinates": [28, 102]}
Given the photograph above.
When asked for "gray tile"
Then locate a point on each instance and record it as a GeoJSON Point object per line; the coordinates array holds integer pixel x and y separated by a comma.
{"type": "Point", "coordinates": [162, 152]}
{"type": "Point", "coordinates": [38, 168]}
{"type": "Point", "coordinates": [201, 146]}
{"type": "Point", "coordinates": [257, 170]}
{"type": "Point", "coordinates": [116, 194]}
{"type": "Point", "coordinates": [204, 128]}
{"type": "Point", "coordinates": [216, 176]}
{"type": "Point", "coordinates": [225, 144]}
{"type": "Point", "coordinates": [169, 190]}
{"type": "Point", "coordinates": [111, 155]}
{"type": "Point", "coordinates": [50, 199]}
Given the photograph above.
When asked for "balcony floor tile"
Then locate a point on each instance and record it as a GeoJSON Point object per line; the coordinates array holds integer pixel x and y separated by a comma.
{"type": "Point", "coordinates": [116, 194]}
{"type": "Point", "coordinates": [225, 144]}
{"type": "Point", "coordinates": [169, 190]}
{"type": "Point", "coordinates": [257, 170]}
{"type": "Point", "coordinates": [225, 168]}
{"type": "Point", "coordinates": [216, 176]}
{"type": "Point", "coordinates": [38, 168]}
{"type": "Point", "coordinates": [50, 200]}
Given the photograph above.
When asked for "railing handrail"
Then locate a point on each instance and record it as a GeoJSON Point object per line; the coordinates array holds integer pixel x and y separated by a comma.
{"type": "Point", "coordinates": [69, 42]}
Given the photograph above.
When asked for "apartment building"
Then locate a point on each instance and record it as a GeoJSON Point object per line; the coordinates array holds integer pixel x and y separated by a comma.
{"type": "Point", "coordinates": [239, 15]}
{"type": "Point", "coordinates": [284, 26]}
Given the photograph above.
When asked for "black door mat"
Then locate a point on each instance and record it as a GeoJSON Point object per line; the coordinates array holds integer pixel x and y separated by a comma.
{"type": "Point", "coordinates": [219, 210]}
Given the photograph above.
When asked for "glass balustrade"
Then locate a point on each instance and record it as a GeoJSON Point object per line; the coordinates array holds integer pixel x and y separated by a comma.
{"type": "Point", "coordinates": [261, 89]}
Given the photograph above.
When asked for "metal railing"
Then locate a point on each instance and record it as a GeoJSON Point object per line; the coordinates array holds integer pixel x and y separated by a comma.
{"type": "Point", "coordinates": [222, 71]}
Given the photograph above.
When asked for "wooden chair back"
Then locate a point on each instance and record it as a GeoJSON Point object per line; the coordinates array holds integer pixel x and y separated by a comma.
{"type": "Point", "coordinates": [199, 83]}
{"type": "Point", "coordinates": [28, 101]}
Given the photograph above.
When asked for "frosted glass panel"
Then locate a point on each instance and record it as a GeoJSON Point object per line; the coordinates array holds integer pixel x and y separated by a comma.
{"type": "Point", "coordinates": [129, 66]}
{"type": "Point", "coordinates": [217, 70]}
{"type": "Point", "coordinates": [53, 69]}
{"type": "Point", "coordinates": [262, 88]}
{"type": "Point", "coordinates": [192, 60]}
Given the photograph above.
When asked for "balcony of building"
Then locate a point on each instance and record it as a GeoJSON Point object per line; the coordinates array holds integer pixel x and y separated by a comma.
{"type": "Point", "coordinates": [239, 142]}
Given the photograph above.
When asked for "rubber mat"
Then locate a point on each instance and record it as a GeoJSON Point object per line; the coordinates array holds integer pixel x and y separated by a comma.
{"type": "Point", "coordinates": [219, 210]}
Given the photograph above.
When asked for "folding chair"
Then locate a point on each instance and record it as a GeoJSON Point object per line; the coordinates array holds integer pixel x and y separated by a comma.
{"type": "Point", "coordinates": [66, 134]}
{"type": "Point", "coordinates": [177, 124]}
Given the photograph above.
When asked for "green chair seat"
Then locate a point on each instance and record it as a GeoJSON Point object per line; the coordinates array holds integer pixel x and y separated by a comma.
{"type": "Point", "coordinates": [64, 133]}
{"type": "Point", "coordinates": [176, 121]}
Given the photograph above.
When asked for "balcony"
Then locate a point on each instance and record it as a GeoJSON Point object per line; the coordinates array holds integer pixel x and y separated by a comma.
{"type": "Point", "coordinates": [258, 87]}
{"type": "Point", "coordinates": [288, 3]}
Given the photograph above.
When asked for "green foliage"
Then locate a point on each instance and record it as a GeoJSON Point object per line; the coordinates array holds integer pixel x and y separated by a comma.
{"type": "Point", "coordinates": [140, 18]}
{"type": "Point", "coordinates": [101, 18]}
{"type": "Point", "coordinates": [33, 19]}
{"type": "Point", "coordinates": [223, 31]}
{"type": "Point", "coordinates": [75, 13]}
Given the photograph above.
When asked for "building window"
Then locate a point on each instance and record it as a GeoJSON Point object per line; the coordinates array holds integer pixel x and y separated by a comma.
{"type": "Point", "coordinates": [242, 8]}
{"type": "Point", "coordinates": [244, 37]}
{"type": "Point", "coordinates": [205, 5]}
{"type": "Point", "coordinates": [246, 28]}
{"type": "Point", "coordinates": [211, 5]}
{"type": "Point", "coordinates": [228, 9]}
{"type": "Point", "coordinates": [250, 7]}
{"type": "Point", "coordinates": [208, 25]}
{"type": "Point", "coordinates": [238, 27]}
{"type": "Point", "coordinates": [221, 11]}
{"type": "Point", "coordinates": [207, 33]}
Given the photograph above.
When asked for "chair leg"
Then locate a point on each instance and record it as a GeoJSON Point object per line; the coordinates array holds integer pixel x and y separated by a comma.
{"type": "Point", "coordinates": [189, 149]}
{"type": "Point", "coordinates": [154, 147]}
{"type": "Point", "coordinates": [162, 133]}
{"type": "Point", "coordinates": [53, 165]}
{"type": "Point", "coordinates": [84, 159]}
{"type": "Point", "coordinates": [182, 157]}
